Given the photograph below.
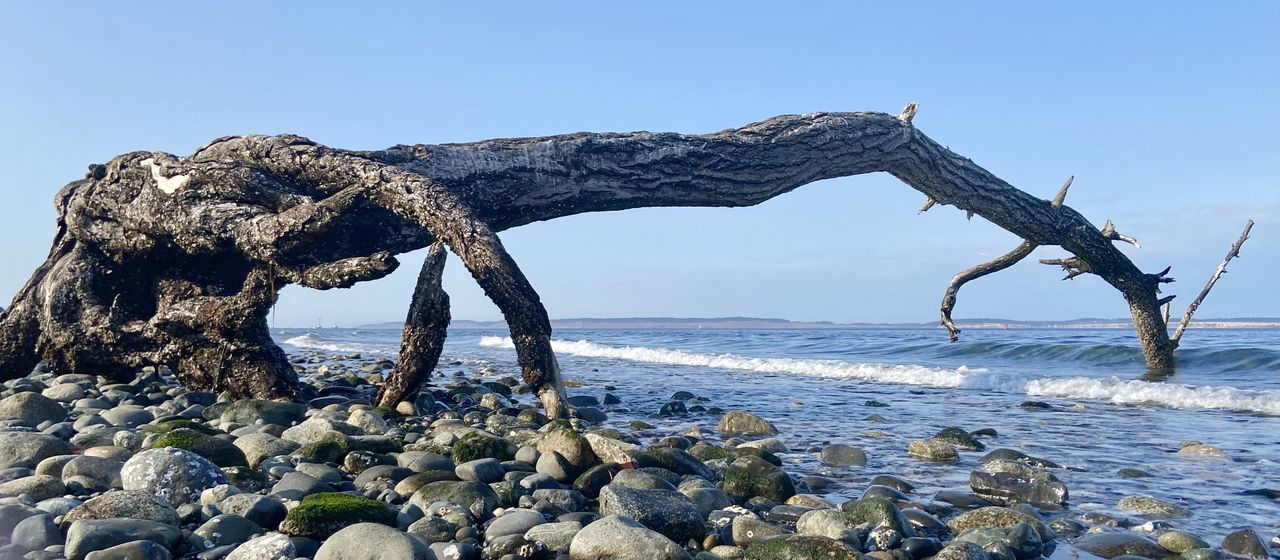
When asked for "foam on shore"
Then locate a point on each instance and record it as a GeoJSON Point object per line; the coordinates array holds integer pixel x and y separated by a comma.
{"type": "Point", "coordinates": [1111, 389]}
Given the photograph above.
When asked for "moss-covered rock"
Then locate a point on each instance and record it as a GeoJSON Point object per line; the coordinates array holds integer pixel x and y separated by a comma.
{"type": "Point", "coordinates": [330, 449]}
{"type": "Point", "coordinates": [477, 497]}
{"type": "Point", "coordinates": [996, 517]}
{"type": "Point", "coordinates": [1119, 543]}
{"type": "Point", "coordinates": [476, 445]}
{"type": "Point", "coordinates": [166, 426]}
{"type": "Point", "coordinates": [741, 422]}
{"type": "Point", "coordinates": [321, 515]}
{"type": "Point", "coordinates": [959, 438]}
{"type": "Point", "coordinates": [801, 547]}
{"type": "Point", "coordinates": [878, 511]}
{"type": "Point", "coordinates": [748, 477]}
{"type": "Point", "coordinates": [1154, 507]}
{"type": "Point", "coordinates": [675, 460]}
{"type": "Point", "coordinates": [932, 450]}
{"type": "Point", "coordinates": [571, 445]}
{"type": "Point", "coordinates": [249, 411]}
{"type": "Point", "coordinates": [1178, 542]}
{"type": "Point", "coordinates": [220, 451]}
{"type": "Point", "coordinates": [532, 416]}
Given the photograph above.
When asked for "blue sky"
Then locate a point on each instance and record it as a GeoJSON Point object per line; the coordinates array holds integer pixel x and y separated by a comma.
{"type": "Point", "coordinates": [1167, 113]}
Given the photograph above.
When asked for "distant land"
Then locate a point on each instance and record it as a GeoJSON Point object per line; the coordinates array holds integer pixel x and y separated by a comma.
{"type": "Point", "coordinates": [725, 323]}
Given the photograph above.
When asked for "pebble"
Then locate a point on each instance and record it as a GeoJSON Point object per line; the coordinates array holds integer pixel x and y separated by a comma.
{"type": "Point", "coordinates": [482, 474]}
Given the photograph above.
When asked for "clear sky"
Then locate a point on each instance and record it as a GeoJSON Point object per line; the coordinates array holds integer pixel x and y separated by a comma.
{"type": "Point", "coordinates": [1167, 113]}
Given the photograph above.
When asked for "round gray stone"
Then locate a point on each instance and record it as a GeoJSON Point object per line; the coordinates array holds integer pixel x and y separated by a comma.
{"type": "Point", "coordinates": [175, 475]}
{"type": "Point", "coordinates": [620, 538]}
{"type": "Point", "coordinates": [371, 541]}
{"type": "Point", "coordinates": [31, 409]}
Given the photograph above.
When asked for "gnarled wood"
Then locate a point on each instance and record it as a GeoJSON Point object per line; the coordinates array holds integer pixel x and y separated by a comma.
{"type": "Point", "coordinates": [425, 328]}
{"type": "Point", "coordinates": [162, 260]}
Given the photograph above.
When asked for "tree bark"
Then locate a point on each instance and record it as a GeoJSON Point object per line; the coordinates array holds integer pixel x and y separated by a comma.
{"type": "Point", "coordinates": [177, 261]}
{"type": "Point", "coordinates": [425, 329]}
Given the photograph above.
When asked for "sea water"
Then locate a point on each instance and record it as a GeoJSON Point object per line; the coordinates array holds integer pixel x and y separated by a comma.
{"type": "Point", "coordinates": [879, 389]}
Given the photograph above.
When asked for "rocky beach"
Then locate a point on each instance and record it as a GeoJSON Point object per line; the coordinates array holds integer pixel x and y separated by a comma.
{"type": "Point", "coordinates": [94, 469]}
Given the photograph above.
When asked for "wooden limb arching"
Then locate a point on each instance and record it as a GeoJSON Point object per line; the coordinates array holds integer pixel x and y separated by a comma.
{"type": "Point", "coordinates": [439, 211]}
{"type": "Point", "coordinates": [995, 265]}
{"type": "Point", "coordinates": [425, 328]}
{"type": "Point", "coordinates": [158, 231]}
{"type": "Point", "coordinates": [1222, 269]}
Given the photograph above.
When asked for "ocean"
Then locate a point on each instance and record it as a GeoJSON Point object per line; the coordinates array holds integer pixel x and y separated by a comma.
{"type": "Point", "coordinates": [879, 389]}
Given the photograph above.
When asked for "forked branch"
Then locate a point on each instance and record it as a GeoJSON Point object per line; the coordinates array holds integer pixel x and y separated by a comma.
{"type": "Point", "coordinates": [1073, 266]}
{"type": "Point", "coordinates": [1109, 232]}
{"type": "Point", "coordinates": [1222, 269]}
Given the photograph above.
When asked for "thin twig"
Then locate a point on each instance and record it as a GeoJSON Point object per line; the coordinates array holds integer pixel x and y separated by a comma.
{"type": "Point", "coordinates": [1222, 269]}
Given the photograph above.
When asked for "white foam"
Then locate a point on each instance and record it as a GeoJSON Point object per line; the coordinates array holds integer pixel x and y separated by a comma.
{"type": "Point", "coordinates": [310, 341]}
{"type": "Point", "coordinates": [1109, 389]}
{"type": "Point", "coordinates": [1133, 391]}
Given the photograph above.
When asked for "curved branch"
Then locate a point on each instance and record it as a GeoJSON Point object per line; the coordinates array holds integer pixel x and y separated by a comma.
{"type": "Point", "coordinates": [995, 265]}
{"type": "Point", "coordinates": [162, 230]}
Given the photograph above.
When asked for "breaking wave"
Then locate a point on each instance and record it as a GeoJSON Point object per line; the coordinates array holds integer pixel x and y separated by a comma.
{"type": "Point", "coordinates": [313, 341]}
{"type": "Point", "coordinates": [1111, 389]}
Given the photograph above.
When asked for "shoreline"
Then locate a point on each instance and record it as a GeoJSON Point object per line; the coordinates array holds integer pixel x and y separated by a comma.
{"type": "Point", "coordinates": [685, 476]}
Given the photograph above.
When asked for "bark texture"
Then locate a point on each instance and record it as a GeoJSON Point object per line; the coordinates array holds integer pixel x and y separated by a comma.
{"type": "Point", "coordinates": [424, 332]}
{"type": "Point", "coordinates": [166, 260]}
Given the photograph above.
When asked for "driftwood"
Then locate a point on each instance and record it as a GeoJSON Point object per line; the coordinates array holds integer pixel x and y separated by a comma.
{"type": "Point", "coordinates": [176, 261]}
{"type": "Point", "coordinates": [424, 332]}
{"type": "Point", "coordinates": [1232, 253]}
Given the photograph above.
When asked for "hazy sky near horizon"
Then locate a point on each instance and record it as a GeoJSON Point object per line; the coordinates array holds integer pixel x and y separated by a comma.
{"type": "Point", "coordinates": [1167, 113]}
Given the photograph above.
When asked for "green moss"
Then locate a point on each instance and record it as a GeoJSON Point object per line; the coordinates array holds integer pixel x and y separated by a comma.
{"type": "Point", "coordinates": [800, 547]}
{"type": "Point", "coordinates": [386, 412]}
{"type": "Point", "coordinates": [320, 515]}
{"type": "Point", "coordinates": [743, 483]}
{"type": "Point", "coordinates": [167, 426]}
{"type": "Point", "coordinates": [878, 511]}
{"type": "Point", "coordinates": [752, 476]}
{"type": "Point", "coordinates": [330, 449]}
{"type": "Point", "coordinates": [182, 438]}
{"type": "Point", "coordinates": [221, 452]}
{"type": "Point", "coordinates": [706, 453]}
{"type": "Point", "coordinates": [479, 446]}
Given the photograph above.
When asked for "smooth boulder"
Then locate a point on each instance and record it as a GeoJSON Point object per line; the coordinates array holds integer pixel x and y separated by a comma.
{"type": "Point", "coordinates": [619, 538]}
{"type": "Point", "coordinates": [175, 475]}
{"type": "Point", "coordinates": [372, 541]}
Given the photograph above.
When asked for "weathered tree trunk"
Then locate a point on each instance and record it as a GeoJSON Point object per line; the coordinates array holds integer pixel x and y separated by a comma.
{"type": "Point", "coordinates": [176, 261]}
{"type": "Point", "coordinates": [424, 332]}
